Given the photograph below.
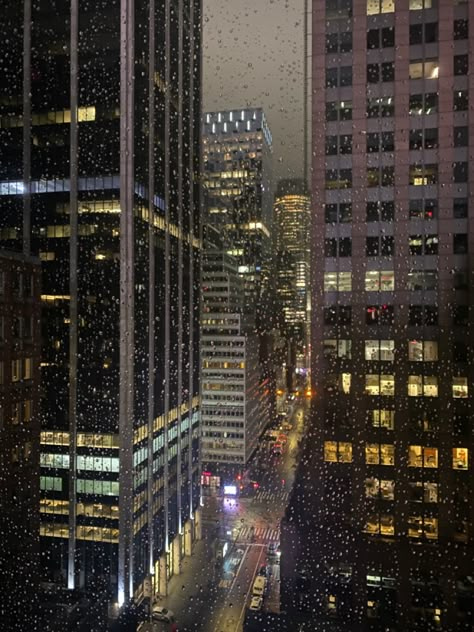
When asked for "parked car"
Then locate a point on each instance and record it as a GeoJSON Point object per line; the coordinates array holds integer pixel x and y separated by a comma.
{"type": "Point", "coordinates": [277, 449]}
{"type": "Point", "coordinates": [159, 613]}
{"type": "Point", "coordinates": [256, 603]}
{"type": "Point", "coordinates": [263, 571]}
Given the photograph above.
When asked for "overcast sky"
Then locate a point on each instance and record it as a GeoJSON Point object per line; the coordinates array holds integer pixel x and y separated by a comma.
{"type": "Point", "coordinates": [253, 56]}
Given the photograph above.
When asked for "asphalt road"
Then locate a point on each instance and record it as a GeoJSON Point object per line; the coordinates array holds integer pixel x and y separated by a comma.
{"type": "Point", "coordinates": [221, 594]}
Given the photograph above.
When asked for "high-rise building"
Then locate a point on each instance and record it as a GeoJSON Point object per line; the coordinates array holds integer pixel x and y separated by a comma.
{"type": "Point", "coordinates": [100, 128]}
{"type": "Point", "coordinates": [231, 414]}
{"type": "Point", "coordinates": [237, 148]}
{"type": "Point", "coordinates": [292, 210]}
{"type": "Point", "coordinates": [379, 534]}
{"type": "Point", "coordinates": [20, 345]}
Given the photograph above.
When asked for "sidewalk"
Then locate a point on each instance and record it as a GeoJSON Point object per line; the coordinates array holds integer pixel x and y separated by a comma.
{"type": "Point", "coordinates": [190, 594]}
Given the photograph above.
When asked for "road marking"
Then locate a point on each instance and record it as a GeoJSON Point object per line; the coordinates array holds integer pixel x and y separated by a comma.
{"type": "Point", "coordinates": [237, 627]}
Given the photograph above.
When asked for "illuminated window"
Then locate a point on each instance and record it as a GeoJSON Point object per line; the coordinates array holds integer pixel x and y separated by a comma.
{"type": "Point", "coordinates": [460, 387]}
{"type": "Point", "coordinates": [423, 527]}
{"type": "Point", "coordinates": [424, 69]}
{"type": "Point", "coordinates": [382, 418]}
{"type": "Point", "coordinates": [423, 175]}
{"type": "Point", "coordinates": [338, 452]}
{"type": "Point", "coordinates": [338, 382]}
{"type": "Point", "coordinates": [27, 368]}
{"type": "Point", "coordinates": [16, 370]}
{"type": "Point", "coordinates": [374, 7]}
{"type": "Point", "coordinates": [379, 454]}
{"type": "Point", "coordinates": [337, 349]}
{"type": "Point", "coordinates": [376, 384]}
{"type": "Point", "coordinates": [381, 489]}
{"type": "Point", "coordinates": [422, 351]}
{"type": "Point", "coordinates": [380, 281]}
{"type": "Point", "coordinates": [460, 458]}
{"type": "Point", "coordinates": [379, 315]}
{"type": "Point", "coordinates": [382, 350]}
{"type": "Point", "coordinates": [415, 5]}
{"type": "Point", "coordinates": [422, 386]}
{"type": "Point", "coordinates": [380, 524]}
{"type": "Point", "coordinates": [422, 456]}
{"type": "Point", "coordinates": [337, 281]}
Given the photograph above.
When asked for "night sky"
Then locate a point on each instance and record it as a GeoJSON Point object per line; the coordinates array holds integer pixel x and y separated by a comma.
{"type": "Point", "coordinates": [253, 56]}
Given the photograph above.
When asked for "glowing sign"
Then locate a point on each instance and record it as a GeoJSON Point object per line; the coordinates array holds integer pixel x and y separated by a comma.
{"type": "Point", "coordinates": [230, 490]}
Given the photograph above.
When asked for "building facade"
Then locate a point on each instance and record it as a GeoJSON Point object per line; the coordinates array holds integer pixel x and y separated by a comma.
{"type": "Point", "coordinates": [292, 211]}
{"type": "Point", "coordinates": [20, 345]}
{"type": "Point", "coordinates": [381, 522]}
{"type": "Point", "coordinates": [100, 128]}
{"type": "Point", "coordinates": [237, 147]}
{"type": "Point", "coordinates": [231, 415]}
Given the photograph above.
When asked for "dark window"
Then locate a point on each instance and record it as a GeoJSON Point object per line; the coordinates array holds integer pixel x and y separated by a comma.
{"type": "Point", "coordinates": [388, 37]}
{"type": "Point", "coordinates": [388, 71]}
{"type": "Point", "coordinates": [387, 247]}
{"type": "Point", "coordinates": [379, 315]}
{"type": "Point", "coordinates": [330, 247]}
{"type": "Point", "coordinates": [461, 100]}
{"type": "Point", "coordinates": [331, 145]}
{"type": "Point", "coordinates": [460, 279]}
{"type": "Point", "coordinates": [460, 242]}
{"type": "Point", "coordinates": [380, 107]}
{"type": "Point", "coordinates": [388, 141]}
{"type": "Point", "coordinates": [373, 38]}
{"type": "Point", "coordinates": [336, 9]}
{"type": "Point", "coordinates": [431, 32]}
{"type": "Point", "coordinates": [338, 315]}
{"type": "Point", "coordinates": [423, 209]}
{"type": "Point", "coordinates": [373, 143]}
{"type": "Point", "coordinates": [460, 208]}
{"type": "Point", "coordinates": [416, 33]}
{"type": "Point", "coordinates": [423, 104]}
{"type": "Point", "coordinates": [461, 315]}
{"type": "Point", "coordinates": [373, 73]}
{"type": "Point", "coordinates": [461, 136]}
{"type": "Point", "coordinates": [330, 213]}
{"type": "Point", "coordinates": [345, 75]}
{"type": "Point", "coordinates": [460, 351]}
{"type": "Point", "coordinates": [331, 77]}
{"type": "Point", "coordinates": [460, 171]}
{"type": "Point", "coordinates": [345, 247]}
{"type": "Point", "coordinates": [461, 29]}
{"type": "Point", "coordinates": [388, 176]}
{"type": "Point", "coordinates": [345, 42]}
{"type": "Point", "coordinates": [431, 315]}
{"type": "Point", "coordinates": [380, 211]}
{"type": "Point", "coordinates": [427, 138]}
{"type": "Point", "coordinates": [416, 315]}
{"type": "Point", "coordinates": [341, 213]}
{"type": "Point", "coordinates": [431, 244]}
{"type": "Point", "coordinates": [331, 111]}
{"type": "Point", "coordinates": [461, 64]}
{"type": "Point", "coordinates": [332, 43]}
{"type": "Point", "coordinates": [345, 144]}
{"type": "Point", "coordinates": [372, 246]}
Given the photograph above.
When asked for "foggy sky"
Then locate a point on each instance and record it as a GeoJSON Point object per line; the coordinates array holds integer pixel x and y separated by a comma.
{"type": "Point", "coordinates": [253, 56]}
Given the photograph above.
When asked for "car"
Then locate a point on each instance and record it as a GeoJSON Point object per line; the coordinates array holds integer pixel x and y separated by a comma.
{"type": "Point", "coordinates": [277, 449]}
{"type": "Point", "coordinates": [263, 571]}
{"type": "Point", "coordinates": [159, 613]}
{"type": "Point", "coordinates": [282, 438]}
{"type": "Point", "coordinates": [256, 603]}
{"type": "Point", "coordinates": [272, 548]}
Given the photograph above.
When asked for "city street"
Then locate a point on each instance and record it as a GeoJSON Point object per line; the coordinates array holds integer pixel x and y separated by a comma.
{"type": "Point", "coordinates": [210, 596]}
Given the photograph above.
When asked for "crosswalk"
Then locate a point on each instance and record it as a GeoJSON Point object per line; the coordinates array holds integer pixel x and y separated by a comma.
{"type": "Point", "coordinates": [269, 496]}
{"type": "Point", "coordinates": [260, 534]}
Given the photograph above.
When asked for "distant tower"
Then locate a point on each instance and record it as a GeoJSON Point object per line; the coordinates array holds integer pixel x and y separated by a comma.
{"type": "Point", "coordinates": [292, 210]}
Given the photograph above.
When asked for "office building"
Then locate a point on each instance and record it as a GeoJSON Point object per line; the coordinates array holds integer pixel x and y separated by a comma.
{"type": "Point", "coordinates": [237, 155]}
{"type": "Point", "coordinates": [19, 437]}
{"type": "Point", "coordinates": [292, 210]}
{"type": "Point", "coordinates": [232, 414]}
{"type": "Point", "coordinates": [100, 125]}
{"type": "Point", "coordinates": [380, 527]}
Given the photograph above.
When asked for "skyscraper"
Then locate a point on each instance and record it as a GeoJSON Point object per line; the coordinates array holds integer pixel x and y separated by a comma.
{"type": "Point", "coordinates": [292, 224]}
{"type": "Point", "coordinates": [237, 146]}
{"type": "Point", "coordinates": [20, 345]}
{"type": "Point", "coordinates": [381, 522]}
{"type": "Point", "coordinates": [100, 125]}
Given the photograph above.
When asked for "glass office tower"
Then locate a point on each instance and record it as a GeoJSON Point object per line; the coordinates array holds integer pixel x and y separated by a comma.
{"type": "Point", "coordinates": [100, 131]}
{"type": "Point", "coordinates": [381, 523]}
